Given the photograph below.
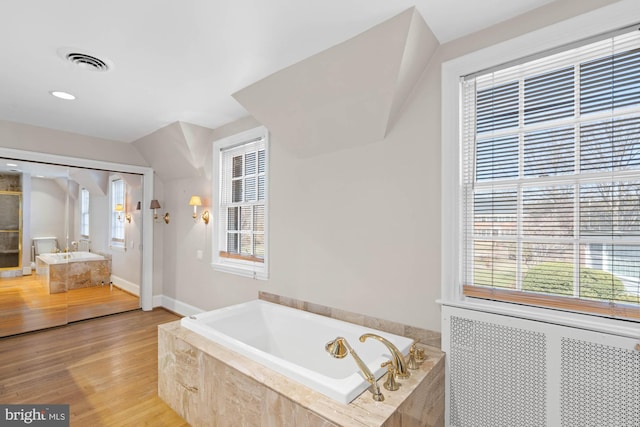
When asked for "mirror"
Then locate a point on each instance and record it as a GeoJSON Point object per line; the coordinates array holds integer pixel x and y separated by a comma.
{"type": "Point", "coordinates": [80, 244]}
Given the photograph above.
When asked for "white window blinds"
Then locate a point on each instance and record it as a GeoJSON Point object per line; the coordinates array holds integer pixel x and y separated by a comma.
{"type": "Point", "coordinates": [551, 179]}
{"type": "Point", "coordinates": [243, 200]}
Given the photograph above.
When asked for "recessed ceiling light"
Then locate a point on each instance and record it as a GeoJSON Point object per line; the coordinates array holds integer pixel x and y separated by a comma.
{"type": "Point", "coordinates": [12, 165]}
{"type": "Point", "coordinates": [62, 95]}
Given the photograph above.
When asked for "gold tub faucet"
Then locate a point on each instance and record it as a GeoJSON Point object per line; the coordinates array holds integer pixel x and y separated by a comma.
{"type": "Point", "coordinates": [397, 359]}
{"type": "Point", "coordinates": [339, 348]}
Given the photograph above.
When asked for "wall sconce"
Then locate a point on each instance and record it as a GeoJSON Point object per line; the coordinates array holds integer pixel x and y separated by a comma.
{"type": "Point", "coordinates": [120, 208]}
{"type": "Point", "coordinates": [156, 205]}
{"type": "Point", "coordinates": [195, 201]}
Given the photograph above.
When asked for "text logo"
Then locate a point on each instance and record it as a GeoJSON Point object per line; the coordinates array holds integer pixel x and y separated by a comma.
{"type": "Point", "coordinates": [34, 415]}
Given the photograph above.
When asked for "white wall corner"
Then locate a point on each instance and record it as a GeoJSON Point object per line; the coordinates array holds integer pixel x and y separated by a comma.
{"type": "Point", "coordinates": [125, 285]}
{"type": "Point", "coordinates": [175, 151]}
{"type": "Point", "coordinates": [420, 46]}
{"type": "Point", "coordinates": [175, 306]}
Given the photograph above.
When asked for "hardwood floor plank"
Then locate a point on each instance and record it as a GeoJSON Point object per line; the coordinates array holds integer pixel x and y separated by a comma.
{"type": "Point", "coordinates": [26, 305]}
{"type": "Point", "coordinates": [106, 369]}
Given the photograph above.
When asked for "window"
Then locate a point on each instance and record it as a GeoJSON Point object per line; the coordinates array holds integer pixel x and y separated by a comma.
{"type": "Point", "coordinates": [118, 191]}
{"type": "Point", "coordinates": [240, 235]}
{"type": "Point", "coordinates": [84, 213]}
{"type": "Point", "coordinates": [551, 180]}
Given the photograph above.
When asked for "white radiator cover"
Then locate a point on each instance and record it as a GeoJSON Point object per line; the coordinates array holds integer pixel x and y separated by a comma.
{"type": "Point", "coordinates": [508, 371]}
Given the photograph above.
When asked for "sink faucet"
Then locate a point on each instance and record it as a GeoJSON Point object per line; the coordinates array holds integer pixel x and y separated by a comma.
{"type": "Point", "coordinates": [397, 359]}
{"type": "Point", "coordinates": [339, 348]}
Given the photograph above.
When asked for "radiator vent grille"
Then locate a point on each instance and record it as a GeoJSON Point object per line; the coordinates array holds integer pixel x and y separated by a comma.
{"type": "Point", "coordinates": [498, 375]}
{"type": "Point", "coordinates": [600, 385]}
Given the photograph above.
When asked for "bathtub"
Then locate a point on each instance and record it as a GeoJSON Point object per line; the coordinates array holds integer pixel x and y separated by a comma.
{"type": "Point", "coordinates": [292, 343]}
{"type": "Point", "coordinates": [65, 257]}
{"type": "Point", "coordinates": [64, 271]}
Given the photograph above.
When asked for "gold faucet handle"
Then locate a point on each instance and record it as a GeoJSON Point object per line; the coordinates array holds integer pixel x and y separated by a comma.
{"type": "Point", "coordinates": [418, 352]}
{"type": "Point", "coordinates": [412, 363]}
{"type": "Point", "coordinates": [390, 383]}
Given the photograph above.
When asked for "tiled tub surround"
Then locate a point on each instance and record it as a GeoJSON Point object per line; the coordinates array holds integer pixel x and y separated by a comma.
{"type": "Point", "coordinates": [423, 336]}
{"type": "Point", "coordinates": [72, 270]}
{"type": "Point", "coordinates": [209, 384]}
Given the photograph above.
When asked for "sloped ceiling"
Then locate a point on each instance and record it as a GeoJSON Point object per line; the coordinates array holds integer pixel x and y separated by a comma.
{"type": "Point", "coordinates": [176, 151]}
{"type": "Point", "coordinates": [96, 181]}
{"type": "Point", "coordinates": [348, 95]}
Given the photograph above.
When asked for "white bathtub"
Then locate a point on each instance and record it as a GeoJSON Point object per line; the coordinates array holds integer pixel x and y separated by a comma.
{"type": "Point", "coordinates": [65, 257]}
{"type": "Point", "coordinates": [292, 342]}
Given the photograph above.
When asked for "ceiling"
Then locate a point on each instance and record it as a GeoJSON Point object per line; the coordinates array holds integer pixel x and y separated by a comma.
{"type": "Point", "coordinates": [182, 60]}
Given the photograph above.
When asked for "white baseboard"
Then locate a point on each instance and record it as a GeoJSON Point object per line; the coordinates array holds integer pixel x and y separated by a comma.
{"type": "Point", "coordinates": [176, 306]}
{"type": "Point", "coordinates": [125, 285]}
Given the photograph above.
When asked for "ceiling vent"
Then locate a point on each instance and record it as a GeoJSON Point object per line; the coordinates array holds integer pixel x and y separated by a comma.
{"type": "Point", "coordinates": [84, 59]}
{"type": "Point", "coordinates": [87, 61]}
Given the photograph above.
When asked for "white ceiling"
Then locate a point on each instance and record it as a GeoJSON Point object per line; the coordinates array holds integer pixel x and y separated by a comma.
{"type": "Point", "coordinates": [182, 60]}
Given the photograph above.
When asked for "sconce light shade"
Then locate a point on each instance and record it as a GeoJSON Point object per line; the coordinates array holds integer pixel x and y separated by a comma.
{"type": "Point", "coordinates": [119, 208]}
{"type": "Point", "coordinates": [195, 201]}
{"type": "Point", "coordinates": [154, 205]}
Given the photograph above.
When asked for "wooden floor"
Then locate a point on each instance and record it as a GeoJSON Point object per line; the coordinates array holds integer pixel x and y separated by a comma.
{"type": "Point", "coordinates": [106, 369]}
{"type": "Point", "coordinates": [26, 305]}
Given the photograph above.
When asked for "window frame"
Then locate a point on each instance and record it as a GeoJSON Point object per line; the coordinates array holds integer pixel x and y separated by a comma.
{"type": "Point", "coordinates": [115, 242]}
{"type": "Point", "coordinates": [247, 266]}
{"type": "Point", "coordinates": [600, 21]}
{"type": "Point", "coordinates": [85, 219]}
{"type": "Point", "coordinates": [502, 168]}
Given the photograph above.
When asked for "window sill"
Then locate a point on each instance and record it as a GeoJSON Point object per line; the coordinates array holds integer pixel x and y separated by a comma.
{"type": "Point", "coordinates": [625, 328]}
{"type": "Point", "coordinates": [617, 310]}
{"type": "Point", "coordinates": [240, 270]}
{"type": "Point", "coordinates": [230, 255]}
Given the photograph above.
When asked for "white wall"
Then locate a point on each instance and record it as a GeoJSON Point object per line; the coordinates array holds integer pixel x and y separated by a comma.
{"type": "Point", "coordinates": [48, 210]}
{"type": "Point", "coordinates": [127, 264]}
{"type": "Point", "coordinates": [355, 229]}
{"type": "Point", "coordinates": [33, 138]}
